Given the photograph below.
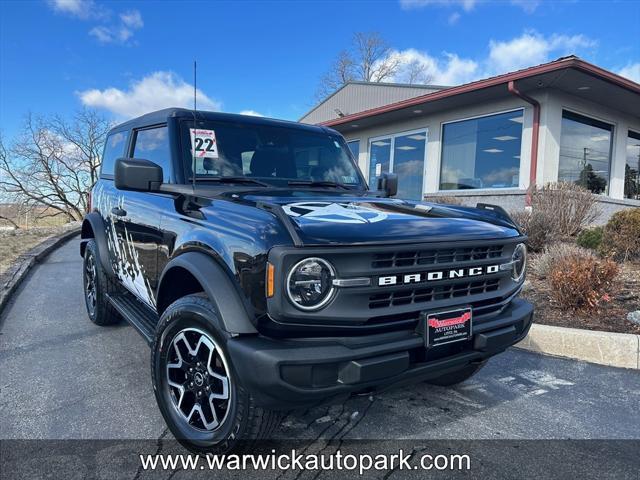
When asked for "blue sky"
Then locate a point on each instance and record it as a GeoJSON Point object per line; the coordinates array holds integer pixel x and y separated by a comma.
{"type": "Point", "coordinates": [126, 58]}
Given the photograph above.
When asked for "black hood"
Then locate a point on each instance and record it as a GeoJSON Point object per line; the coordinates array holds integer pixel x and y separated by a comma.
{"type": "Point", "coordinates": [341, 218]}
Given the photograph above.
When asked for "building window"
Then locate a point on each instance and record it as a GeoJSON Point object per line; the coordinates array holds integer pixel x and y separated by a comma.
{"type": "Point", "coordinates": [632, 167]}
{"type": "Point", "coordinates": [585, 152]}
{"type": "Point", "coordinates": [403, 154]}
{"type": "Point", "coordinates": [482, 152]}
{"type": "Point", "coordinates": [354, 146]}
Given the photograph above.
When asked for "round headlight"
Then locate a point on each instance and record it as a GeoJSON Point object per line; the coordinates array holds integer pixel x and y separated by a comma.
{"type": "Point", "coordinates": [519, 262]}
{"type": "Point", "coordinates": [310, 283]}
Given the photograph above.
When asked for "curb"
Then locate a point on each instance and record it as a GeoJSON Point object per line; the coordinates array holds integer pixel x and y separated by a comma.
{"type": "Point", "coordinates": [605, 348]}
{"type": "Point", "coordinates": [18, 271]}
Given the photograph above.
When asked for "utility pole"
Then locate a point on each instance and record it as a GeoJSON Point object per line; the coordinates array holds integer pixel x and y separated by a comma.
{"type": "Point", "coordinates": [583, 173]}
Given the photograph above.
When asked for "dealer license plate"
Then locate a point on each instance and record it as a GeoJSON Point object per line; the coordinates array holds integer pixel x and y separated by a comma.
{"type": "Point", "coordinates": [447, 327]}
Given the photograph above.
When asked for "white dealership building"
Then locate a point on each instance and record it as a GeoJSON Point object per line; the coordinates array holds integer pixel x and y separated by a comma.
{"type": "Point", "coordinates": [487, 141]}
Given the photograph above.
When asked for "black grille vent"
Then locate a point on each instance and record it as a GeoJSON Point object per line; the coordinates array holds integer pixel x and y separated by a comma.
{"type": "Point", "coordinates": [433, 257]}
{"type": "Point", "coordinates": [440, 292]}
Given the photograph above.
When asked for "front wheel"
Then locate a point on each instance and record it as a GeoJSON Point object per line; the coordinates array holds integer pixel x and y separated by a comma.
{"type": "Point", "coordinates": [196, 387]}
{"type": "Point", "coordinates": [97, 285]}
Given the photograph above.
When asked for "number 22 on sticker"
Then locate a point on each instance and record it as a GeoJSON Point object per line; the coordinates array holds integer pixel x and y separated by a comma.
{"type": "Point", "coordinates": [203, 143]}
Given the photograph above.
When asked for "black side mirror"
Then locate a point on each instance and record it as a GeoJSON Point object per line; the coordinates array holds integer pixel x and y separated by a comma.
{"type": "Point", "coordinates": [138, 175]}
{"type": "Point", "coordinates": [388, 183]}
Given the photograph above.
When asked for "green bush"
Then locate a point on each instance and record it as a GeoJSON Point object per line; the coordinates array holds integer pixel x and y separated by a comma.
{"type": "Point", "coordinates": [621, 235]}
{"type": "Point", "coordinates": [591, 238]}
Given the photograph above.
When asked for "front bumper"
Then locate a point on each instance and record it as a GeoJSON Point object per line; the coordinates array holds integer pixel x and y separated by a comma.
{"type": "Point", "coordinates": [283, 374]}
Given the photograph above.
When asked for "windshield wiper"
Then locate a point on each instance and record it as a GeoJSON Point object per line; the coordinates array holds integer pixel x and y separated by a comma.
{"type": "Point", "coordinates": [319, 183]}
{"type": "Point", "coordinates": [235, 180]}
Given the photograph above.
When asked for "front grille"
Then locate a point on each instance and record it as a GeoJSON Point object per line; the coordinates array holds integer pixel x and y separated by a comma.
{"type": "Point", "coordinates": [434, 257]}
{"type": "Point", "coordinates": [440, 292]}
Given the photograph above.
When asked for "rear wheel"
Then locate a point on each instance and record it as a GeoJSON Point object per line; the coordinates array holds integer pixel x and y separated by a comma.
{"type": "Point", "coordinates": [96, 285]}
{"type": "Point", "coordinates": [196, 387]}
{"type": "Point", "coordinates": [457, 376]}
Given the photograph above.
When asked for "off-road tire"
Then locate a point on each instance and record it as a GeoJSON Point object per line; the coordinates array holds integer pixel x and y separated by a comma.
{"type": "Point", "coordinates": [244, 423]}
{"type": "Point", "coordinates": [459, 376]}
{"type": "Point", "coordinates": [99, 309]}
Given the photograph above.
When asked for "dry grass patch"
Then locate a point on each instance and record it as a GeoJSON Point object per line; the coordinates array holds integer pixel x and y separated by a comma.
{"type": "Point", "coordinates": [14, 243]}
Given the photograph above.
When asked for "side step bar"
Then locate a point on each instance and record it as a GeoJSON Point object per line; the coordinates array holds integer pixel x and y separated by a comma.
{"type": "Point", "coordinates": [140, 316]}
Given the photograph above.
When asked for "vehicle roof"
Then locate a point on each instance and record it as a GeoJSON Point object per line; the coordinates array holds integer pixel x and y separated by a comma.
{"type": "Point", "coordinates": [161, 116]}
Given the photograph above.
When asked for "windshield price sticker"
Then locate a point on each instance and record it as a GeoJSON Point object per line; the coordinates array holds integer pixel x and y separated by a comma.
{"type": "Point", "coordinates": [203, 143]}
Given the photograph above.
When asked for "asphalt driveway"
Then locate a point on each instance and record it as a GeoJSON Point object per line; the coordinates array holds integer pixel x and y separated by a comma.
{"type": "Point", "coordinates": [61, 377]}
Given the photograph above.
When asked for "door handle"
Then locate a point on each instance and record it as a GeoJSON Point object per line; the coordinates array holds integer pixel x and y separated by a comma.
{"type": "Point", "coordinates": [118, 212]}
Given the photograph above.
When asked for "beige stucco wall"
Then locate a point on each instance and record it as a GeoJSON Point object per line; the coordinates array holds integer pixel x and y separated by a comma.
{"type": "Point", "coordinates": [552, 103]}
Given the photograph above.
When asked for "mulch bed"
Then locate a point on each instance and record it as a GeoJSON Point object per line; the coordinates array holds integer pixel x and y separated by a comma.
{"type": "Point", "coordinates": [609, 317]}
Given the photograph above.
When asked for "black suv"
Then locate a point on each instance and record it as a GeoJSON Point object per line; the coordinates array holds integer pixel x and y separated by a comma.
{"type": "Point", "coordinates": [273, 277]}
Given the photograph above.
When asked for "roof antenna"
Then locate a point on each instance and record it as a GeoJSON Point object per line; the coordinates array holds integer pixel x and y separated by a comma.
{"type": "Point", "coordinates": [195, 127]}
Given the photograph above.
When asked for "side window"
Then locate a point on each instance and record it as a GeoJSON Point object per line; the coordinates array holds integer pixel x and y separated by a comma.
{"type": "Point", "coordinates": [113, 149]}
{"type": "Point", "coordinates": [153, 144]}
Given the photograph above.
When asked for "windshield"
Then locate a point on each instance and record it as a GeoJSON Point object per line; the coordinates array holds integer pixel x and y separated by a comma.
{"type": "Point", "coordinates": [271, 154]}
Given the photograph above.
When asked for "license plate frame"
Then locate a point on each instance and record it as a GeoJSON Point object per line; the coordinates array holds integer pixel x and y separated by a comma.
{"type": "Point", "coordinates": [457, 321]}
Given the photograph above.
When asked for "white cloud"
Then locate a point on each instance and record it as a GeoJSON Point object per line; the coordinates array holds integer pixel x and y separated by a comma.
{"type": "Point", "coordinates": [529, 6]}
{"type": "Point", "coordinates": [453, 18]}
{"type": "Point", "coordinates": [527, 50]}
{"type": "Point", "coordinates": [252, 113]}
{"type": "Point", "coordinates": [132, 19]}
{"type": "Point", "coordinates": [466, 5]}
{"type": "Point", "coordinates": [102, 34]}
{"type": "Point", "coordinates": [531, 48]}
{"type": "Point", "coordinates": [631, 71]}
{"type": "Point", "coordinates": [82, 9]}
{"type": "Point", "coordinates": [448, 70]}
{"type": "Point", "coordinates": [153, 92]}
{"type": "Point", "coordinates": [120, 32]}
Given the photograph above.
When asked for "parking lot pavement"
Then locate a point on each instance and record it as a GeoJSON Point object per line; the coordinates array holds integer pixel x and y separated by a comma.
{"type": "Point", "coordinates": [63, 377]}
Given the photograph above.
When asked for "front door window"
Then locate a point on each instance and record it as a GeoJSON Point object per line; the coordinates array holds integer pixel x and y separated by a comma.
{"type": "Point", "coordinates": [408, 163]}
{"type": "Point", "coordinates": [379, 159]}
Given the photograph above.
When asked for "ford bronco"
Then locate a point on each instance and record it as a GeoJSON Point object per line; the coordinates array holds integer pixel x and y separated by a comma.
{"type": "Point", "coordinates": [266, 274]}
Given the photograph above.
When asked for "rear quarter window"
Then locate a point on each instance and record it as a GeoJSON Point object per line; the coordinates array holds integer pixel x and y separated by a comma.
{"type": "Point", "coordinates": [114, 148]}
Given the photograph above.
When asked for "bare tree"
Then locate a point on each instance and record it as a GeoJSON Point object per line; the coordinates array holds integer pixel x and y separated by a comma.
{"type": "Point", "coordinates": [342, 71]}
{"type": "Point", "coordinates": [368, 59]}
{"type": "Point", "coordinates": [87, 132]}
{"type": "Point", "coordinates": [415, 73]}
{"type": "Point", "coordinates": [53, 163]}
{"type": "Point", "coordinates": [373, 59]}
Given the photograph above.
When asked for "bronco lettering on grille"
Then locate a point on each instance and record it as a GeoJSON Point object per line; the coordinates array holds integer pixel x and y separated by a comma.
{"type": "Point", "coordinates": [402, 279]}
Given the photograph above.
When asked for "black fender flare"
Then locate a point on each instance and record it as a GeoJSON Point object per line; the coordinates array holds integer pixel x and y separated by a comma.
{"type": "Point", "coordinates": [235, 315]}
{"type": "Point", "coordinates": [93, 221]}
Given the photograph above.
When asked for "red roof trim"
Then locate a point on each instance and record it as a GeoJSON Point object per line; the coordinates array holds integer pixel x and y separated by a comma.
{"type": "Point", "coordinates": [570, 62]}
